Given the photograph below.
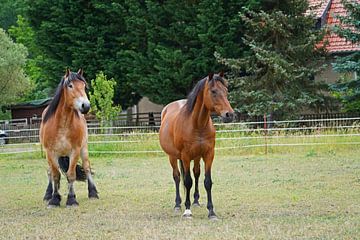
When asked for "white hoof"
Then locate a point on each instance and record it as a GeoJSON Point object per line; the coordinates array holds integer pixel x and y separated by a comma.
{"type": "Point", "coordinates": [187, 213]}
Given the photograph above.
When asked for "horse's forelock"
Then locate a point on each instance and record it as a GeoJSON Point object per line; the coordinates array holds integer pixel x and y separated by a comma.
{"type": "Point", "coordinates": [73, 76]}
{"type": "Point", "coordinates": [217, 77]}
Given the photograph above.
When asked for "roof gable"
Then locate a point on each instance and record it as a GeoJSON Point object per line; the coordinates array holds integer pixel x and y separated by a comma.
{"type": "Point", "coordinates": [335, 44]}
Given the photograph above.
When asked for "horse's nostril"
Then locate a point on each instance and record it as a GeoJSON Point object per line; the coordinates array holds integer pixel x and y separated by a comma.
{"type": "Point", "coordinates": [227, 114]}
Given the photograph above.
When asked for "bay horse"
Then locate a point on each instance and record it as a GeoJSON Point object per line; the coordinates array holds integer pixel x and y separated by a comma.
{"type": "Point", "coordinates": [63, 135]}
{"type": "Point", "coordinates": [187, 133]}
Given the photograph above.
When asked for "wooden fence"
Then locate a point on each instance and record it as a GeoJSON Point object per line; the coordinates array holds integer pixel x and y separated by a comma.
{"type": "Point", "coordinates": [21, 130]}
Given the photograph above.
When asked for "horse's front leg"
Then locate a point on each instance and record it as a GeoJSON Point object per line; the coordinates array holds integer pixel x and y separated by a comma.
{"type": "Point", "coordinates": [188, 185]}
{"type": "Point", "coordinates": [208, 159]}
{"type": "Point", "coordinates": [92, 192]}
{"type": "Point", "coordinates": [54, 177]}
{"type": "Point", "coordinates": [49, 189]}
{"type": "Point", "coordinates": [71, 177]}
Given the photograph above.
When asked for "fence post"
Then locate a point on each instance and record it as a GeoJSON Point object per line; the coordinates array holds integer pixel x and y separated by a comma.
{"type": "Point", "coordinates": [265, 136]}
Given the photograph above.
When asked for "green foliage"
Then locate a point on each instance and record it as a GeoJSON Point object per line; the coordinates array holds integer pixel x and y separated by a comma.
{"type": "Point", "coordinates": [347, 89]}
{"type": "Point", "coordinates": [24, 34]}
{"type": "Point", "coordinates": [101, 98]}
{"type": "Point", "coordinates": [13, 82]}
{"type": "Point", "coordinates": [169, 45]}
{"type": "Point", "coordinates": [275, 74]}
{"type": "Point", "coordinates": [9, 9]}
{"type": "Point", "coordinates": [156, 49]}
{"type": "Point", "coordinates": [82, 34]}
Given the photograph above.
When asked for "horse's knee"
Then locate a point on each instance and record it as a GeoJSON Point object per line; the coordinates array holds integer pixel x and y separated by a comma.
{"type": "Point", "coordinates": [71, 175]}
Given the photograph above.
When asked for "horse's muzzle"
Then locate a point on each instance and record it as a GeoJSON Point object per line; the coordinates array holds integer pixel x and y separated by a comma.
{"type": "Point", "coordinates": [85, 107]}
{"type": "Point", "coordinates": [227, 117]}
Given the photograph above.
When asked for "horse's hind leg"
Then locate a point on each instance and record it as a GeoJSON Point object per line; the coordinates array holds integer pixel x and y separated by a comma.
{"type": "Point", "coordinates": [196, 171]}
{"type": "Point", "coordinates": [176, 177]}
{"type": "Point", "coordinates": [92, 191]}
{"type": "Point", "coordinates": [49, 189]}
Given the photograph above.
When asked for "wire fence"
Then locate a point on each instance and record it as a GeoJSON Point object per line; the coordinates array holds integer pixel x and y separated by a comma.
{"type": "Point", "coordinates": [230, 136]}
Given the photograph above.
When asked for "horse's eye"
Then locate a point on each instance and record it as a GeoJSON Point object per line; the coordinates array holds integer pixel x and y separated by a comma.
{"type": "Point", "coordinates": [70, 86]}
{"type": "Point", "coordinates": [213, 92]}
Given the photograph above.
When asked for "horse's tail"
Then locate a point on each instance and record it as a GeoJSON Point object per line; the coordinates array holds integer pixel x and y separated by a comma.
{"type": "Point", "coordinates": [64, 166]}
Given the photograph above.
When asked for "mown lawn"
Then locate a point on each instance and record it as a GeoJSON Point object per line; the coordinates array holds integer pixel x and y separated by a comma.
{"type": "Point", "coordinates": [303, 194]}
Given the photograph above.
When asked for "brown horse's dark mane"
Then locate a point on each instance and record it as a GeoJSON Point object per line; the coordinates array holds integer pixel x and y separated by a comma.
{"type": "Point", "coordinates": [191, 98]}
{"type": "Point", "coordinates": [59, 90]}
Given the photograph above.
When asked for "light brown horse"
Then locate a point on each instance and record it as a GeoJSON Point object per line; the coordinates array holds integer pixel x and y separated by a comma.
{"type": "Point", "coordinates": [187, 133]}
{"type": "Point", "coordinates": [63, 134]}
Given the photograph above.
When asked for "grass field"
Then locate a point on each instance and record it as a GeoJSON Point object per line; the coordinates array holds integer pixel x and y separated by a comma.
{"type": "Point", "coordinates": [307, 193]}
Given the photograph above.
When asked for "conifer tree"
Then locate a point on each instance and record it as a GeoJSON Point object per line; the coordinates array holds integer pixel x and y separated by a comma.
{"type": "Point", "coordinates": [348, 87]}
{"type": "Point", "coordinates": [276, 74]}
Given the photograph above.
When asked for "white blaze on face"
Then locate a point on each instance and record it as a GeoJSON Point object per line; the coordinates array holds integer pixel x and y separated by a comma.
{"type": "Point", "coordinates": [80, 101]}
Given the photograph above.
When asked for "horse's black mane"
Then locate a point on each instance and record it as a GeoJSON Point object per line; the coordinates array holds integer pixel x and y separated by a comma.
{"type": "Point", "coordinates": [56, 99]}
{"type": "Point", "coordinates": [191, 98]}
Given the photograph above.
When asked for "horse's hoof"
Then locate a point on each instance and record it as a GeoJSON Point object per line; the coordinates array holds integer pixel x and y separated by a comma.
{"type": "Point", "coordinates": [196, 204]}
{"type": "Point", "coordinates": [54, 201]}
{"type": "Point", "coordinates": [187, 214]}
{"type": "Point", "coordinates": [47, 198]}
{"type": "Point", "coordinates": [52, 206]}
{"type": "Point", "coordinates": [212, 215]}
{"type": "Point", "coordinates": [71, 202]}
{"type": "Point", "coordinates": [93, 193]}
{"type": "Point", "coordinates": [177, 210]}
{"type": "Point", "coordinates": [75, 205]}
{"type": "Point", "coordinates": [213, 218]}
{"type": "Point", "coordinates": [93, 196]}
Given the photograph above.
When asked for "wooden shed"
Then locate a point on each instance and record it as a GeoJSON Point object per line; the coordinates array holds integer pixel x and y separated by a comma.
{"type": "Point", "coordinates": [29, 110]}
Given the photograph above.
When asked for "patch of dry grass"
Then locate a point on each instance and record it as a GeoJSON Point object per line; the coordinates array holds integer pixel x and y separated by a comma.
{"type": "Point", "coordinates": [302, 195]}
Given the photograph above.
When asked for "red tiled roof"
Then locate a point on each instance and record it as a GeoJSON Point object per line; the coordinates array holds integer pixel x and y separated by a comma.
{"type": "Point", "coordinates": [336, 44]}
{"type": "Point", "coordinates": [318, 7]}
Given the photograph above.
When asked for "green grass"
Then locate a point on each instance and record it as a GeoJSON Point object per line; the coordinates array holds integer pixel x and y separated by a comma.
{"type": "Point", "coordinates": [306, 193]}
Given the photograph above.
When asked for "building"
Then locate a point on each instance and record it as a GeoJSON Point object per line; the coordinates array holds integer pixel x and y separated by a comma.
{"type": "Point", "coordinates": [326, 12]}
{"type": "Point", "coordinates": [29, 110]}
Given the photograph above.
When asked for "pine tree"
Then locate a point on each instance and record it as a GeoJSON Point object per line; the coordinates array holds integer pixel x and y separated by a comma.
{"type": "Point", "coordinates": [348, 87]}
{"type": "Point", "coordinates": [276, 74]}
{"type": "Point", "coordinates": [175, 47]}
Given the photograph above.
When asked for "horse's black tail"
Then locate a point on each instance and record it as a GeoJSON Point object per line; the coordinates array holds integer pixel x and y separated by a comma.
{"type": "Point", "coordinates": [64, 166]}
{"type": "Point", "coordinates": [182, 177]}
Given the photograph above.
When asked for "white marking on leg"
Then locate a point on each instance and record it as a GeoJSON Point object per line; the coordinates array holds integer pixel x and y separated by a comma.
{"type": "Point", "coordinates": [71, 188]}
{"type": "Point", "coordinates": [187, 213]}
{"type": "Point", "coordinates": [89, 177]}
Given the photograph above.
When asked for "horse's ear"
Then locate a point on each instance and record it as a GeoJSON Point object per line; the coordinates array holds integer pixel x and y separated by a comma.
{"type": "Point", "coordinates": [67, 72]}
{"type": "Point", "coordinates": [221, 74]}
{"type": "Point", "coordinates": [80, 72]}
{"type": "Point", "coordinates": [211, 75]}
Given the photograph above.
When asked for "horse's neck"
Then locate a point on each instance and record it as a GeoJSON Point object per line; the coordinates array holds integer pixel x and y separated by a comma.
{"type": "Point", "coordinates": [64, 114]}
{"type": "Point", "coordinates": [200, 115]}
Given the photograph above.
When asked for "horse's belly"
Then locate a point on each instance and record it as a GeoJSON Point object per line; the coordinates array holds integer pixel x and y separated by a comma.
{"type": "Point", "coordinates": [196, 149]}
